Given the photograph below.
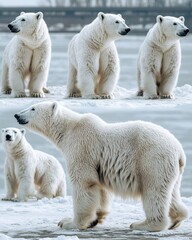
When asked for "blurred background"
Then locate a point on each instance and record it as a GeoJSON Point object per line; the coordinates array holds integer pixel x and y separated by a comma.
{"type": "Point", "coordinates": [71, 15]}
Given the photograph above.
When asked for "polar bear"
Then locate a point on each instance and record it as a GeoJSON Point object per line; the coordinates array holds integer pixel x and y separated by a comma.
{"type": "Point", "coordinates": [93, 59]}
{"type": "Point", "coordinates": [27, 169]}
{"type": "Point", "coordinates": [27, 57]}
{"type": "Point", "coordinates": [160, 58]}
{"type": "Point", "coordinates": [130, 159]}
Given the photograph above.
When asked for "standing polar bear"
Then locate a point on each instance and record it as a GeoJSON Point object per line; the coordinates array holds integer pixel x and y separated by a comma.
{"type": "Point", "coordinates": [27, 57]}
{"type": "Point", "coordinates": [26, 168]}
{"type": "Point", "coordinates": [160, 58]}
{"type": "Point", "coordinates": [131, 159]}
{"type": "Point", "coordinates": [93, 59]}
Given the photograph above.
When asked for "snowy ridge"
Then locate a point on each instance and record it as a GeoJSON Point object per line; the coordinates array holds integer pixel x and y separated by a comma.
{"type": "Point", "coordinates": [38, 220]}
{"type": "Point", "coordinates": [122, 98]}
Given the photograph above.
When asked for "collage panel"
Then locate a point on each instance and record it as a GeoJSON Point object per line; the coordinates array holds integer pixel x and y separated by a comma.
{"type": "Point", "coordinates": [85, 151]}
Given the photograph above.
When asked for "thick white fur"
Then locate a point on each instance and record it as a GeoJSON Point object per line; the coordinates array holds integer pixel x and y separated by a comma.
{"type": "Point", "coordinates": [130, 159]}
{"type": "Point", "coordinates": [93, 59]}
{"type": "Point", "coordinates": [27, 169]}
{"type": "Point", "coordinates": [160, 58]}
{"type": "Point", "coordinates": [27, 57]}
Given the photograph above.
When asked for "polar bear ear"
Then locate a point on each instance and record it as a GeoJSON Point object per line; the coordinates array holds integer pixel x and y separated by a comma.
{"type": "Point", "coordinates": [159, 19]}
{"type": "Point", "coordinates": [182, 19]}
{"type": "Point", "coordinates": [23, 131]}
{"type": "Point", "coordinates": [21, 13]}
{"type": "Point", "coordinates": [120, 15]}
{"type": "Point", "coordinates": [39, 15]}
{"type": "Point", "coordinates": [101, 15]}
{"type": "Point", "coordinates": [55, 107]}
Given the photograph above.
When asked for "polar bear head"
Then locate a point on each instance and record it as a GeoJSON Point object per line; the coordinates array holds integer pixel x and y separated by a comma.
{"type": "Point", "coordinates": [12, 136]}
{"type": "Point", "coordinates": [113, 24]}
{"type": "Point", "coordinates": [172, 26]}
{"type": "Point", "coordinates": [39, 117]}
{"type": "Point", "coordinates": [26, 23]}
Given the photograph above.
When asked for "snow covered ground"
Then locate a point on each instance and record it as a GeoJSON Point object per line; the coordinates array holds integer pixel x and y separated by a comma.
{"type": "Point", "coordinates": [38, 220]}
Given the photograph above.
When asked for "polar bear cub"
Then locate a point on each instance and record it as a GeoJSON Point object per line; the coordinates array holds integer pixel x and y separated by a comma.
{"type": "Point", "coordinates": [160, 58]}
{"type": "Point", "coordinates": [27, 169]}
{"type": "Point", "coordinates": [130, 159]}
{"type": "Point", "coordinates": [93, 59]}
{"type": "Point", "coordinates": [27, 57]}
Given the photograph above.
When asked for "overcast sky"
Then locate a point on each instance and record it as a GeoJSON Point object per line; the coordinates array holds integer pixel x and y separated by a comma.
{"type": "Point", "coordinates": [19, 2]}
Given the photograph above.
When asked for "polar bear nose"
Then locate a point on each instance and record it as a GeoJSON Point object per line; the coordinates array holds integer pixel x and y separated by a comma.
{"type": "Point", "coordinates": [8, 137]}
{"type": "Point", "coordinates": [127, 30]}
{"type": "Point", "coordinates": [10, 26]}
{"type": "Point", "coordinates": [186, 30]}
{"type": "Point", "coordinates": [16, 116]}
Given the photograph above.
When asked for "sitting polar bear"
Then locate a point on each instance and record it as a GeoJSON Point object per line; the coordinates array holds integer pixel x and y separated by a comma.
{"type": "Point", "coordinates": [27, 57]}
{"type": "Point", "coordinates": [26, 168]}
{"type": "Point", "coordinates": [130, 159]}
{"type": "Point", "coordinates": [160, 58]}
{"type": "Point", "coordinates": [93, 59]}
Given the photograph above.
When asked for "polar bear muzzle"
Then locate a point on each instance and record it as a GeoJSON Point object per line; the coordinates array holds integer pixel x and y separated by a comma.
{"type": "Point", "coordinates": [13, 29]}
{"type": "Point", "coordinates": [183, 33]}
{"type": "Point", "coordinates": [20, 119]}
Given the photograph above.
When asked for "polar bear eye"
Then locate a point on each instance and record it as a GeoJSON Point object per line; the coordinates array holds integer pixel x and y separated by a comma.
{"type": "Point", "coordinates": [117, 22]}
{"type": "Point", "coordinates": [23, 19]}
{"type": "Point", "coordinates": [32, 109]}
{"type": "Point", "coordinates": [174, 23]}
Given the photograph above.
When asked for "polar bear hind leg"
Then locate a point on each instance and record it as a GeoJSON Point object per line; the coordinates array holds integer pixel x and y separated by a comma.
{"type": "Point", "coordinates": [156, 205]}
{"type": "Point", "coordinates": [72, 89]}
{"type": "Point", "coordinates": [178, 211]}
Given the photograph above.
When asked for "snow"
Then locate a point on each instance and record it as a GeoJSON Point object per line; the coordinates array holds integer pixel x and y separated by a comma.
{"type": "Point", "coordinates": [38, 220]}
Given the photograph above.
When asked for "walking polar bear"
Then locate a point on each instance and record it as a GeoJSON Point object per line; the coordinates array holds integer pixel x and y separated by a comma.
{"type": "Point", "coordinates": [27, 57]}
{"type": "Point", "coordinates": [93, 59]}
{"type": "Point", "coordinates": [130, 159]}
{"type": "Point", "coordinates": [27, 169]}
{"type": "Point", "coordinates": [160, 58]}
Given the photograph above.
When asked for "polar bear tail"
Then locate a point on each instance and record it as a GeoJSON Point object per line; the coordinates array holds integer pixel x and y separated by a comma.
{"type": "Point", "coordinates": [182, 161]}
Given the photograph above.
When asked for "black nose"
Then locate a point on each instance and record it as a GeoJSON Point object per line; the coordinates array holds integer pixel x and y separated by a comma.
{"type": "Point", "coordinates": [16, 116]}
{"type": "Point", "coordinates": [186, 30]}
{"type": "Point", "coordinates": [127, 30]}
{"type": "Point", "coordinates": [10, 26]}
{"type": "Point", "coordinates": [8, 137]}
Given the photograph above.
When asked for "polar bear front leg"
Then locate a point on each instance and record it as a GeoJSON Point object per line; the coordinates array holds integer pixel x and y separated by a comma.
{"type": "Point", "coordinates": [11, 187]}
{"type": "Point", "coordinates": [25, 189]}
{"type": "Point", "coordinates": [170, 72]}
{"type": "Point", "coordinates": [5, 88]}
{"type": "Point", "coordinates": [37, 82]}
{"type": "Point", "coordinates": [148, 84]}
{"type": "Point", "coordinates": [109, 65]}
{"type": "Point", "coordinates": [86, 201]}
{"type": "Point", "coordinates": [17, 83]}
{"type": "Point", "coordinates": [72, 89]}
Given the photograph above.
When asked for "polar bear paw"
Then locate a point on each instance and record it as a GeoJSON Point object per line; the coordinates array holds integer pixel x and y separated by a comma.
{"type": "Point", "coordinates": [7, 199]}
{"type": "Point", "coordinates": [74, 95]}
{"type": "Point", "coordinates": [149, 226]}
{"type": "Point", "coordinates": [37, 94]}
{"type": "Point", "coordinates": [6, 91]}
{"type": "Point", "coordinates": [46, 90]}
{"type": "Point", "coordinates": [106, 96]}
{"type": "Point", "coordinates": [167, 96]}
{"type": "Point", "coordinates": [66, 223]}
{"type": "Point", "coordinates": [153, 96]}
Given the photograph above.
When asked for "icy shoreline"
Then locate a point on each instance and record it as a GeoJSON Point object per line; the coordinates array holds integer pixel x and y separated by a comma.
{"type": "Point", "coordinates": [38, 220]}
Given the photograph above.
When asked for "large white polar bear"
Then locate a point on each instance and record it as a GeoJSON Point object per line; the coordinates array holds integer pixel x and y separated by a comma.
{"type": "Point", "coordinates": [160, 58]}
{"type": "Point", "coordinates": [27, 57]}
{"type": "Point", "coordinates": [130, 159]}
{"type": "Point", "coordinates": [27, 169]}
{"type": "Point", "coordinates": [93, 59]}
